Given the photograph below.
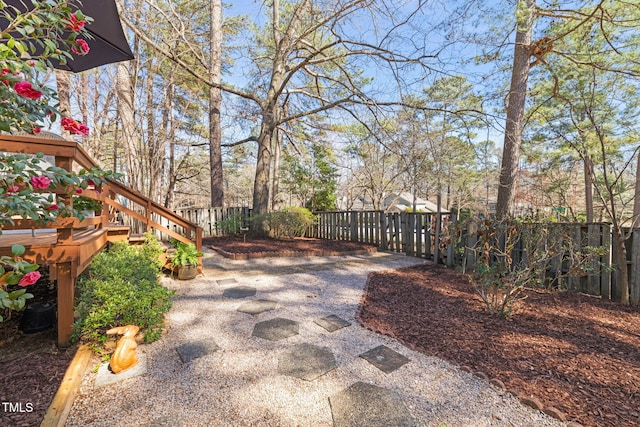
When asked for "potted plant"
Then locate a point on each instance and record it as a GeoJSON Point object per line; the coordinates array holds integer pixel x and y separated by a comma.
{"type": "Point", "coordinates": [184, 260]}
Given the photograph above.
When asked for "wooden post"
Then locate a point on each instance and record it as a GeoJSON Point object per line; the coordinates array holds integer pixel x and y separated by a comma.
{"type": "Point", "coordinates": [451, 246]}
{"type": "Point", "coordinates": [593, 281]}
{"type": "Point", "coordinates": [383, 231]}
{"type": "Point", "coordinates": [605, 274]}
{"type": "Point", "coordinates": [66, 284]}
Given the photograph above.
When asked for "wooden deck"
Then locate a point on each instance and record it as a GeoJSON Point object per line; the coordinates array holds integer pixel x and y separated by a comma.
{"type": "Point", "coordinates": [68, 245]}
{"type": "Point", "coordinates": [66, 260]}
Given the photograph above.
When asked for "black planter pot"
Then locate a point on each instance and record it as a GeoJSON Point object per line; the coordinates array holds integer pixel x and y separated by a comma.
{"type": "Point", "coordinates": [38, 317]}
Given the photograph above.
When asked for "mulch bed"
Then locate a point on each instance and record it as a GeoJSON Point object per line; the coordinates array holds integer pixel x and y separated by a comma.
{"type": "Point", "coordinates": [32, 368]}
{"type": "Point", "coordinates": [573, 352]}
{"type": "Point", "coordinates": [256, 247]}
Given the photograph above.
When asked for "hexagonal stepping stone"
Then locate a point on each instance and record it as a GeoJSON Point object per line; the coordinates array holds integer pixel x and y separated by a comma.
{"type": "Point", "coordinates": [332, 323]}
{"type": "Point", "coordinates": [385, 359]}
{"type": "Point", "coordinates": [226, 281]}
{"type": "Point", "coordinates": [306, 361]}
{"type": "Point", "coordinates": [366, 405]}
{"type": "Point", "coordinates": [257, 306]}
{"type": "Point", "coordinates": [238, 292]}
{"type": "Point", "coordinates": [194, 350]}
{"type": "Point", "coordinates": [275, 329]}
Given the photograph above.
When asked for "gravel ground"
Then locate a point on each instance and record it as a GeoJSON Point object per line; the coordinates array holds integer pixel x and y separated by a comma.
{"type": "Point", "coordinates": [239, 385]}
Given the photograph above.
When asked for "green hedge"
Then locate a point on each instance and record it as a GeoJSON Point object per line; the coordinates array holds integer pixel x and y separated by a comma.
{"type": "Point", "coordinates": [288, 223]}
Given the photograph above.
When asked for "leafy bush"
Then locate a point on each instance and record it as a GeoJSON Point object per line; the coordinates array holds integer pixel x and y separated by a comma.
{"type": "Point", "coordinates": [185, 254]}
{"type": "Point", "coordinates": [122, 287]}
{"type": "Point", "coordinates": [288, 223]}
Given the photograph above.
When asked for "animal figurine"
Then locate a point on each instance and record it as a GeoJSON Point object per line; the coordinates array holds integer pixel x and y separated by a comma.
{"type": "Point", "coordinates": [125, 355]}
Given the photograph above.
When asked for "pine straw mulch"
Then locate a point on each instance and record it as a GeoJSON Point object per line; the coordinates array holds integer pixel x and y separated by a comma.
{"type": "Point", "coordinates": [573, 352]}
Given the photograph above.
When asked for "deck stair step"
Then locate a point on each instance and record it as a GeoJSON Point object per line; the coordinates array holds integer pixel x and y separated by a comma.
{"type": "Point", "coordinates": [136, 239]}
{"type": "Point", "coordinates": [118, 232]}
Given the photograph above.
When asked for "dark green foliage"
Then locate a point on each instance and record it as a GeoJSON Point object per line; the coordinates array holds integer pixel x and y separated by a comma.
{"type": "Point", "coordinates": [121, 288]}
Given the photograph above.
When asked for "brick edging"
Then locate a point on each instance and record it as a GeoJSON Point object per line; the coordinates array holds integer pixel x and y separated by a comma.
{"type": "Point", "coordinates": [290, 254]}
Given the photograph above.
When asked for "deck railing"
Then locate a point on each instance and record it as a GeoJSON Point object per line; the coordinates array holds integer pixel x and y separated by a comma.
{"type": "Point", "coordinates": [76, 241]}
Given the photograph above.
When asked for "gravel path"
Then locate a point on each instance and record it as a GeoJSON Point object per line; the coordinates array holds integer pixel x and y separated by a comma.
{"type": "Point", "coordinates": [239, 385]}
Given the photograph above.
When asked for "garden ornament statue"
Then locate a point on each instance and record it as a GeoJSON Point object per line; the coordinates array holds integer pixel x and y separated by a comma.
{"type": "Point", "coordinates": [125, 355]}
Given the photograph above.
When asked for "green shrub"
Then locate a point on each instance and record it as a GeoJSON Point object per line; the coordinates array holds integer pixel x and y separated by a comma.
{"type": "Point", "coordinates": [288, 223]}
{"type": "Point", "coordinates": [121, 288]}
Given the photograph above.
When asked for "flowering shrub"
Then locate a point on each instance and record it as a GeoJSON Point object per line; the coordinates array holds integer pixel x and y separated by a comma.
{"type": "Point", "coordinates": [73, 126]}
{"type": "Point", "coordinates": [28, 184]}
{"type": "Point", "coordinates": [15, 271]}
{"type": "Point", "coordinates": [55, 31]}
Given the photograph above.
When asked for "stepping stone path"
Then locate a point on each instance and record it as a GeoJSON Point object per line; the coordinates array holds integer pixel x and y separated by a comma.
{"type": "Point", "coordinates": [366, 405]}
{"type": "Point", "coordinates": [257, 306]}
{"type": "Point", "coordinates": [385, 359]}
{"type": "Point", "coordinates": [362, 404]}
{"type": "Point", "coordinates": [276, 329]}
{"type": "Point", "coordinates": [332, 323]}
{"type": "Point", "coordinates": [239, 292]}
{"type": "Point", "coordinates": [306, 361]}
{"type": "Point", "coordinates": [194, 350]}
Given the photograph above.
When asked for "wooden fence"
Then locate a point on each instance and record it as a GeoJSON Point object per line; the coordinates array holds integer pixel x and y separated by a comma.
{"type": "Point", "coordinates": [216, 221]}
{"type": "Point", "coordinates": [416, 234]}
{"type": "Point", "coordinates": [424, 235]}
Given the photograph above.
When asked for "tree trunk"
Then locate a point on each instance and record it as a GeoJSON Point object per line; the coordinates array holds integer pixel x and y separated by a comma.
{"type": "Point", "coordinates": [215, 101]}
{"type": "Point", "coordinates": [152, 138]}
{"type": "Point", "coordinates": [588, 187]}
{"type": "Point", "coordinates": [515, 109]}
{"type": "Point", "coordinates": [127, 119]}
{"type": "Point", "coordinates": [275, 186]}
{"type": "Point", "coordinates": [169, 134]}
{"type": "Point", "coordinates": [263, 168]}
{"type": "Point", "coordinates": [635, 248]}
{"type": "Point", "coordinates": [622, 278]}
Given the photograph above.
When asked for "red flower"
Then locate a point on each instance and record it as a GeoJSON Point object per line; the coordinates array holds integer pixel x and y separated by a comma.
{"type": "Point", "coordinates": [52, 208]}
{"type": "Point", "coordinates": [13, 189]}
{"type": "Point", "coordinates": [40, 182]}
{"type": "Point", "coordinates": [3, 73]}
{"type": "Point", "coordinates": [78, 190]}
{"type": "Point", "coordinates": [74, 24]}
{"type": "Point", "coordinates": [29, 278]}
{"type": "Point", "coordinates": [26, 90]}
{"type": "Point", "coordinates": [74, 127]}
{"type": "Point", "coordinates": [81, 47]}
{"type": "Point", "coordinates": [35, 130]}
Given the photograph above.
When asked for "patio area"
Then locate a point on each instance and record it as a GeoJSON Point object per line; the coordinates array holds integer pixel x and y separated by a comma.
{"type": "Point", "coordinates": [275, 342]}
